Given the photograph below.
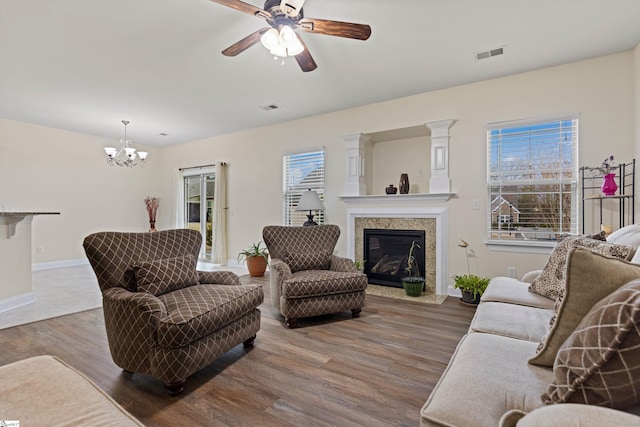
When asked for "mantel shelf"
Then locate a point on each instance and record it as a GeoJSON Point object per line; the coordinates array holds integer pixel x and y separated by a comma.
{"type": "Point", "coordinates": [378, 198]}
{"type": "Point", "coordinates": [13, 218]}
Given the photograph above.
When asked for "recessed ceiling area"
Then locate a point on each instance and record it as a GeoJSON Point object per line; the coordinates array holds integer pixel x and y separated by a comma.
{"type": "Point", "coordinates": [84, 66]}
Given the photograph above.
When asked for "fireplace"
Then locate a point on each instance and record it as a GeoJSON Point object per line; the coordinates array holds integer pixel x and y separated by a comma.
{"type": "Point", "coordinates": [386, 252]}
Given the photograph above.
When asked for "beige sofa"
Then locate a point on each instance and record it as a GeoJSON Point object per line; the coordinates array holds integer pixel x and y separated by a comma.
{"type": "Point", "coordinates": [489, 380]}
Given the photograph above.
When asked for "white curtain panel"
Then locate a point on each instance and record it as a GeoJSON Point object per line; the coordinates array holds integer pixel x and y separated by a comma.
{"type": "Point", "coordinates": [220, 215]}
{"type": "Point", "coordinates": [179, 183]}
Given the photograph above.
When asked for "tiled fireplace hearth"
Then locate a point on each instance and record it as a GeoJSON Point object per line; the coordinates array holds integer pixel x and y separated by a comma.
{"type": "Point", "coordinates": [433, 220]}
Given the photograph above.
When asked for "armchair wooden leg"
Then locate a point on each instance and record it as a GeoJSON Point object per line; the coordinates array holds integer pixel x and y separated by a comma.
{"type": "Point", "coordinates": [249, 343]}
{"type": "Point", "coordinates": [355, 312]}
{"type": "Point", "coordinates": [174, 389]}
{"type": "Point", "coordinates": [291, 323]}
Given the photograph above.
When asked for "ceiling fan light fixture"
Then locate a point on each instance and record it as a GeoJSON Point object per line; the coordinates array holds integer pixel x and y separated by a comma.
{"type": "Point", "coordinates": [295, 47]}
{"type": "Point", "coordinates": [278, 50]}
{"type": "Point", "coordinates": [287, 36]}
{"type": "Point", "coordinates": [270, 39]}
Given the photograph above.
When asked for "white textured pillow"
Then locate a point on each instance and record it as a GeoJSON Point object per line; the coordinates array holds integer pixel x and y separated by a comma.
{"type": "Point", "coordinates": [626, 236]}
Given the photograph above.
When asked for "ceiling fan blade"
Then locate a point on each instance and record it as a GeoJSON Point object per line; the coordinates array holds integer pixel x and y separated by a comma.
{"type": "Point", "coordinates": [336, 28]}
{"type": "Point", "coordinates": [244, 7]}
{"type": "Point", "coordinates": [304, 59]}
{"type": "Point", "coordinates": [245, 43]}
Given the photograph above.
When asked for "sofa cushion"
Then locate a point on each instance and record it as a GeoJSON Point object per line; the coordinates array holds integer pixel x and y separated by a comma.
{"type": "Point", "coordinates": [552, 278]}
{"type": "Point", "coordinates": [308, 261]}
{"type": "Point", "coordinates": [486, 377]}
{"type": "Point", "coordinates": [598, 364]}
{"type": "Point", "coordinates": [511, 320]}
{"type": "Point", "coordinates": [199, 310]}
{"type": "Point", "coordinates": [165, 275]}
{"type": "Point", "coordinates": [590, 277]}
{"type": "Point", "coordinates": [627, 236]}
{"type": "Point", "coordinates": [322, 282]}
{"type": "Point", "coordinates": [513, 291]}
{"type": "Point", "coordinates": [568, 414]}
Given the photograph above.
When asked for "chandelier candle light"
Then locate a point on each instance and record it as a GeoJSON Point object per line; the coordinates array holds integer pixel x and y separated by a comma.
{"type": "Point", "coordinates": [152, 204]}
{"type": "Point", "coordinates": [126, 156]}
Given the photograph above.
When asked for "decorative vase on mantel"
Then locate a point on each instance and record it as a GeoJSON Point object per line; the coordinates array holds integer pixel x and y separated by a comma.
{"type": "Point", "coordinates": [404, 184]}
{"type": "Point", "coordinates": [609, 186]}
{"type": "Point", "coordinates": [391, 189]}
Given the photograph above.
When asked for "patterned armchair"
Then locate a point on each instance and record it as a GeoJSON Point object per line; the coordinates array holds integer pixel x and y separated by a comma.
{"type": "Point", "coordinates": [163, 317]}
{"type": "Point", "coordinates": [306, 279]}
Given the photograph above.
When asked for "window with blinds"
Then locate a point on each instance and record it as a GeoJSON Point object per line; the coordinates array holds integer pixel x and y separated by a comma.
{"type": "Point", "coordinates": [532, 170]}
{"type": "Point", "coordinates": [302, 172]}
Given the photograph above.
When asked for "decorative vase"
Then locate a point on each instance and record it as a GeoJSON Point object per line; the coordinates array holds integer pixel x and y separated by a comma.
{"type": "Point", "coordinates": [391, 189]}
{"type": "Point", "coordinates": [256, 265]}
{"type": "Point", "coordinates": [404, 184]}
{"type": "Point", "coordinates": [609, 186]}
{"type": "Point", "coordinates": [413, 286]}
{"type": "Point", "coordinates": [152, 226]}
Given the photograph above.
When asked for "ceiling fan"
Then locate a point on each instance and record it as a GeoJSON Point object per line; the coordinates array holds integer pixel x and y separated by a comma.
{"type": "Point", "coordinates": [284, 16]}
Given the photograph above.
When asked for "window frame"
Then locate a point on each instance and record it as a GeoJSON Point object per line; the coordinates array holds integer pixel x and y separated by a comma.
{"type": "Point", "coordinates": [494, 238]}
{"type": "Point", "coordinates": [293, 184]}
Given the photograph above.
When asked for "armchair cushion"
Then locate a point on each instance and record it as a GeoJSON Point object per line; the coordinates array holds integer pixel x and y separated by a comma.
{"type": "Point", "coordinates": [322, 282]}
{"type": "Point", "coordinates": [308, 261]}
{"type": "Point", "coordinates": [197, 311]}
{"type": "Point", "coordinates": [165, 275]}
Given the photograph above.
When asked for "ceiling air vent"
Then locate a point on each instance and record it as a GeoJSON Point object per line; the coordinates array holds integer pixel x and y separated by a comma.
{"type": "Point", "coordinates": [489, 53]}
{"type": "Point", "coordinates": [269, 107]}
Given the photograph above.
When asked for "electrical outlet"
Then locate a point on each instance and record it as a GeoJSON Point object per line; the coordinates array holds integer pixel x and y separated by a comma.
{"type": "Point", "coordinates": [511, 272]}
{"type": "Point", "coordinates": [39, 250]}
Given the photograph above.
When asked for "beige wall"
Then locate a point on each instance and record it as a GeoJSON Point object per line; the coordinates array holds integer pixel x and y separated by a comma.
{"type": "Point", "coordinates": [636, 55]}
{"type": "Point", "coordinates": [45, 169]}
{"type": "Point", "coordinates": [49, 169]}
{"type": "Point", "coordinates": [601, 90]}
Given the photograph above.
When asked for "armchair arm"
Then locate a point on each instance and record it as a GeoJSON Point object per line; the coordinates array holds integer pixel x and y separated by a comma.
{"type": "Point", "coordinates": [131, 320]}
{"type": "Point", "coordinates": [530, 276]}
{"type": "Point", "coordinates": [218, 277]}
{"type": "Point", "coordinates": [279, 271]}
{"type": "Point", "coordinates": [342, 264]}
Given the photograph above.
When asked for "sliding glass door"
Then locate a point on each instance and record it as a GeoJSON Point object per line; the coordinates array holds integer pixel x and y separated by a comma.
{"type": "Point", "coordinates": [198, 198]}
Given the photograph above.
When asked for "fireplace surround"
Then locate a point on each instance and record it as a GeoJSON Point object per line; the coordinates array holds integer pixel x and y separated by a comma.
{"type": "Point", "coordinates": [433, 220]}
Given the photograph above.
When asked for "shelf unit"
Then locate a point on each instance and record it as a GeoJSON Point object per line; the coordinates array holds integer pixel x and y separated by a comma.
{"type": "Point", "coordinates": [591, 181]}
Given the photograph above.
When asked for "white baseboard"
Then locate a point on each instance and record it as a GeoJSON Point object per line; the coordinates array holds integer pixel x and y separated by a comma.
{"type": "Point", "coordinates": [17, 301]}
{"type": "Point", "coordinates": [59, 264]}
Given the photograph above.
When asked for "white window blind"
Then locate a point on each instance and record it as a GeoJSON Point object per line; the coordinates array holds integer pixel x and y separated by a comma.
{"type": "Point", "coordinates": [302, 172]}
{"type": "Point", "coordinates": [532, 170]}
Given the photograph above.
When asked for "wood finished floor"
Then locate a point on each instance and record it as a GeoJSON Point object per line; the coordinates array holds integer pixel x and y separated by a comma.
{"type": "Point", "coordinates": [377, 370]}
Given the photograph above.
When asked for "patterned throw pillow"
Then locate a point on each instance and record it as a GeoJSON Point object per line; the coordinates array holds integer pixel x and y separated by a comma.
{"type": "Point", "coordinates": [552, 278]}
{"type": "Point", "coordinates": [308, 261]}
{"type": "Point", "coordinates": [165, 275]}
{"type": "Point", "coordinates": [590, 277]}
{"type": "Point", "coordinates": [599, 364]}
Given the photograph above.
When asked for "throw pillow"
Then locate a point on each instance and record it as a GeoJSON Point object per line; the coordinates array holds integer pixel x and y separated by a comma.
{"type": "Point", "coordinates": [165, 275]}
{"type": "Point", "coordinates": [627, 236]}
{"type": "Point", "coordinates": [308, 261]}
{"type": "Point", "coordinates": [599, 364]}
{"type": "Point", "coordinates": [552, 278]}
{"type": "Point", "coordinates": [590, 277]}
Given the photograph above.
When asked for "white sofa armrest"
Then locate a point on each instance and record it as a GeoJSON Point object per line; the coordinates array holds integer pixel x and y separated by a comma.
{"type": "Point", "coordinates": [568, 414]}
{"type": "Point", "coordinates": [528, 277]}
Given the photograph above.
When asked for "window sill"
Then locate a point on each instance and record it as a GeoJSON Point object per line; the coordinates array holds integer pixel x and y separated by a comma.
{"type": "Point", "coordinates": [531, 247]}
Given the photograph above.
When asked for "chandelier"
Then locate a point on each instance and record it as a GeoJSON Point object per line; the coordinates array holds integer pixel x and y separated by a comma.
{"type": "Point", "coordinates": [126, 156]}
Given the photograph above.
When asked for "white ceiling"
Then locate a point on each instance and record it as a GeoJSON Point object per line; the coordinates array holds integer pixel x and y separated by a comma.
{"type": "Point", "coordinates": [85, 65]}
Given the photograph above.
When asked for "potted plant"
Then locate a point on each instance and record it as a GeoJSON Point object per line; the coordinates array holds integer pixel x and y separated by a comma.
{"type": "Point", "coordinates": [360, 265]}
{"type": "Point", "coordinates": [256, 259]}
{"type": "Point", "coordinates": [471, 286]}
{"type": "Point", "coordinates": [413, 284]}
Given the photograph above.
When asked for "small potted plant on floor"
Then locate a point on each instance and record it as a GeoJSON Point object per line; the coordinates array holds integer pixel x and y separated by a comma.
{"type": "Point", "coordinates": [413, 283]}
{"type": "Point", "coordinates": [360, 265]}
{"type": "Point", "coordinates": [471, 286]}
{"type": "Point", "coordinates": [256, 259]}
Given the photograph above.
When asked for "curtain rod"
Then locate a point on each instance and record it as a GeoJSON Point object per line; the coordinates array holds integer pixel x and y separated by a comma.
{"type": "Point", "coordinates": [202, 166]}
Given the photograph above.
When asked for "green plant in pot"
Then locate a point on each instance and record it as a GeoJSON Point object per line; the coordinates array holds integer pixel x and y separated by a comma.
{"type": "Point", "coordinates": [360, 265]}
{"type": "Point", "coordinates": [256, 258]}
{"type": "Point", "coordinates": [413, 284]}
{"type": "Point", "coordinates": [471, 286]}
